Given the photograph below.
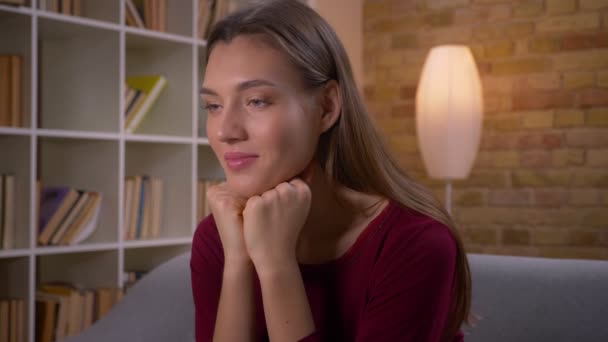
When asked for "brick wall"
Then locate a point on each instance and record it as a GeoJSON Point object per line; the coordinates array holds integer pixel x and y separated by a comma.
{"type": "Point", "coordinates": [539, 186]}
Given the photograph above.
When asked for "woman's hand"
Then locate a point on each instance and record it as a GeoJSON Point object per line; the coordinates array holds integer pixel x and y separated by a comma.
{"type": "Point", "coordinates": [227, 211]}
{"type": "Point", "coordinates": [273, 221]}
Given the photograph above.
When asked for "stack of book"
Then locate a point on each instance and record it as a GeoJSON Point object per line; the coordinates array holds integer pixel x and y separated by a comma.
{"type": "Point", "coordinates": [69, 7]}
{"type": "Point", "coordinates": [202, 207]}
{"type": "Point", "coordinates": [143, 207]}
{"type": "Point", "coordinates": [67, 216]}
{"type": "Point", "coordinates": [64, 310]}
{"type": "Point", "coordinates": [149, 14]}
{"type": "Point", "coordinates": [11, 73]}
{"type": "Point", "coordinates": [141, 92]}
{"type": "Point", "coordinates": [12, 320]}
{"type": "Point", "coordinates": [7, 211]}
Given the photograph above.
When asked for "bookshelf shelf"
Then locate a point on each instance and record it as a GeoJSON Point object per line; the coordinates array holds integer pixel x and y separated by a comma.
{"type": "Point", "coordinates": [89, 247]}
{"type": "Point", "coordinates": [13, 253]}
{"type": "Point", "coordinates": [157, 242]}
{"type": "Point", "coordinates": [15, 131]}
{"type": "Point", "coordinates": [158, 138]}
{"type": "Point", "coordinates": [63, 133]}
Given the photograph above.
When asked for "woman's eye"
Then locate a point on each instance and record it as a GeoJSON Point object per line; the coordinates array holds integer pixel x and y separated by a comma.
{"type": "Point", "coordinates": [259, 103]}
{"type": "Point", "coordinates": [211, 107]}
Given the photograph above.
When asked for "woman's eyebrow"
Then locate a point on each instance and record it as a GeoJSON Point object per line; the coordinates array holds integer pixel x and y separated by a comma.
{"type": "Point", "coordinates": [240, 87]}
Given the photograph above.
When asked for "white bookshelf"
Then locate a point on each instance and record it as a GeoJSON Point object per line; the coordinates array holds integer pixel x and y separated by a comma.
{"type": "Point", "coordinates": [72, 135]}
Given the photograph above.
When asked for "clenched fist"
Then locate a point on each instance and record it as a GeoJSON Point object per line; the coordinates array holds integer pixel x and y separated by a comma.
{"type": "Point", "coordinates": [227, 211]}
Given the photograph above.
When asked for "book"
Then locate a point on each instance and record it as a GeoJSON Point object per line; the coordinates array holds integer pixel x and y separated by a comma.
{"type": "Point", "coordinates": [87, 224]}
{"type": "Point", "coordinates": [16, 62]}
{"type": "Point", "coordinates": [4, 320]}
{"type": "Point", "coordinates": [157, 207]}
{"type": "Point", "coordinates": [70, 218]}
{"type": "Point", "coordinates": [5, 90]}
{"type": "Point", "coordinates": [61, 199]}
{"type": "Point", "coordinates": [128, 205]}
{"type": "Point", "coordinates": [8, 211]}
{"type": "Point", "coordinates": [133, 14]}
{"type": "Point", "coordinates": [152, 86]}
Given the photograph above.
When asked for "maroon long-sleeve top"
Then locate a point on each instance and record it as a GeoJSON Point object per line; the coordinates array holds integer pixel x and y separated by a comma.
{"type": "Point", "coordinates": [393, 284]}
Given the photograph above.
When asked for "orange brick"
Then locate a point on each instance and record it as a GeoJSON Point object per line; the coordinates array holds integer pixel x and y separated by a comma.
{"type": "Point", "coordinates": [531, 100]}
{"type": "Point", "coordinates": [451, 35]}
{"type": "Point", "coordinates": [390, 58]}
{"type": "Point", "coordinates": [468, 15]}
{"type": "Point", "coordinates": [537, 81]}
{"type": "Point", "coordinates": [597, 157]}
{"type": "Point", "coordinates": [602, 78]}
{"type": "Point", "coordinates": [583, 237]}
{"type": "Point", "coordinates": [593, 4]}
{"type": "Point", "coordinates": [568, 157]}
{"type": "Point", "coordinates": [535, 159]}
{"type": "Point", "coordinates": [529, 8]}
{"type": "Point", "coordinates": [499, 49]}
{"type": "Point", "coordinates": [594, 97]}
{"type": "Point", "coordinates": [561, 6]}
{"type": "Point", "coordinates": [537, 119]}
{"type": "Point", "coordinates": [521, 66]}
{"type": "Point", "coordinates": [573, 252]}
{"type": "Point", "coordinates": [508, 122]}
{"type": "Point", "coordinates": [549, 236]}
{"type": "Point", "coordinates": [581, 41]}
{"type": "Point", "coordinates": [440, 18]}
{"type": "Point", "coordinates": [502, 141]}
{"type": "Point", "coordinates": [404, 143]}
{"type": "Point", "coordinates": [497, 103]}
{"type": "Point", "coordinates": [542, 178]}
{"type": "Point", "coordinates": [482, 236]}
{"type": "Point", "coordinates": [591, 137]}
{"type": "Point", "coordinates": [581, 60]}
{"type": "Point", "coordinates": [578, 79]}
{"type": "Point", "coordinates": [440, 4]}
{"type": "Point", "coordinates": [404, 41]}
{"type": "Point", "coordinates": [590, 178]}
{"type": "Point", "coordinates": [549, 198]}
{"type": "Point", "coordinates": [515, 236]}
{"type": "Point", "coordinates": [584, 197]}
{"type": "Point", "coordinates": [484, 178]}
{"type": "Point", "coordinates": [544, 45]}
{"type": "Point", "coordinates": [583, 21]}
{"type": "Point", "coordinates": [597, 117]}
{"type": "Point", "coordinates": [506, 159]}
{"type": "Point", "coordinates": [493, 31]}
{"type": "Point", "coordinates": [596, 218]}
{"type": "Point", "coordinates": [469, 198]}
{"type": "Point", "coordinates": [569, 118]}
{"type": "Point", "coordinates": [509, 198]}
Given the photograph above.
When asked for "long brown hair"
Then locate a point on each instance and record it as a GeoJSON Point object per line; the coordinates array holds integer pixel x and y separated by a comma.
{"type": "Point", "coordinates": [351, 153]}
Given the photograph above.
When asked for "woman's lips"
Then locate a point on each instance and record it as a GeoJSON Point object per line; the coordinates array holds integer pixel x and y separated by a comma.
{"type": "Point", "coordinates": [238, 160]}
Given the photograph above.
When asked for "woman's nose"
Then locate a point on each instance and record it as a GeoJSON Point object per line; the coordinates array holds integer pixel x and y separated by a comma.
{"type": "Point", "coordinates": [231, 127]}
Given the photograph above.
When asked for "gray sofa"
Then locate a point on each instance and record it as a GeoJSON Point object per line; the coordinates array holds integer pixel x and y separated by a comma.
{"type": "Point", "coordinates": [518, 299]}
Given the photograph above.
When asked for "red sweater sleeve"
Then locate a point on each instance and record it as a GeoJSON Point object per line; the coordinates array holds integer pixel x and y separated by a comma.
{"type": "Point", "coordinates": [206, 266]}
{"type": "Point", "coordinates": [411, 289]}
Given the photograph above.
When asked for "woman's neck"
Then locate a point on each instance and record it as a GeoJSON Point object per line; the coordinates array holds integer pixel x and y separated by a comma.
{"type": "Point", "coordinates": [334, 212]}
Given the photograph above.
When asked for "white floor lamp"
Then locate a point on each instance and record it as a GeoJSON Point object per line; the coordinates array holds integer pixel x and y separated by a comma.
{"type": "Point", "coordinates": [449, 109]}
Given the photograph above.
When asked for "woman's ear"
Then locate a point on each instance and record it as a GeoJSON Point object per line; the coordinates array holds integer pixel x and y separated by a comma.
{"type": "Point", "coordinates": [331, 105]}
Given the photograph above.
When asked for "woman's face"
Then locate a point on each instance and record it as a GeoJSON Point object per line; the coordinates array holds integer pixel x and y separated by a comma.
{"type": "Point", "coordinates": [257, 105]}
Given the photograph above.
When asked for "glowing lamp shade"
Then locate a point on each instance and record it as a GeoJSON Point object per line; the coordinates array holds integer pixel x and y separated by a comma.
{"type": "Point", "coordinates": [449, 112]}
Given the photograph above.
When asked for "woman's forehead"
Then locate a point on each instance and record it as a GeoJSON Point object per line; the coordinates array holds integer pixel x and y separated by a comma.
{"type": "Point", "coordinates": [245, 59]}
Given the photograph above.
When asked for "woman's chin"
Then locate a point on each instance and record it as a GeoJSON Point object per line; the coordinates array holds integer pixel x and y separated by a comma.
{"type": "Point", "coordinates": [245, 189]}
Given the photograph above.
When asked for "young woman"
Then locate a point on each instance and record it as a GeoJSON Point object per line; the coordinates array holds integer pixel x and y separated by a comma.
{"type": "Point", "coordinates": [317, 234]}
